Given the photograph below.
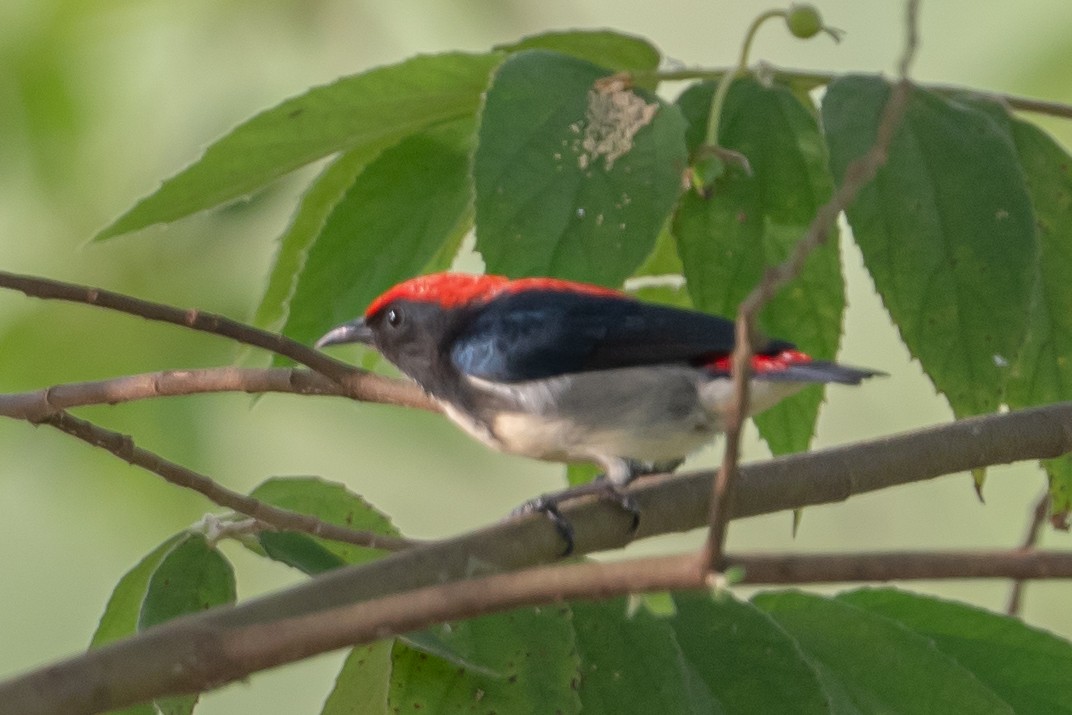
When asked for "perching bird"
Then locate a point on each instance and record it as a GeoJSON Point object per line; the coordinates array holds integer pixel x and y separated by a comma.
{"type": "Point", "coordinates": [571, 372]}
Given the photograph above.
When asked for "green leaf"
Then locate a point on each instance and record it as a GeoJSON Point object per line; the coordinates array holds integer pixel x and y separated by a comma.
{"type": "Point", "coordinates": [430, 642]}
{"type": "Point", "coordinates": [947, 231]}
{"type": "Point", "coordinates": [1043, 371]}
{"type": "Point", "coordinates": [1029, 668]}
{"type": "Point", "coordinates": [752, 222]}
{"type": "Point", "coordinates": [300, 551]}
{"type": "Point", "coordinates": [571, 180]}
{"type": "Point", "coordinates": [869, 663]}
{"type": "Point", "coordinates": [376, 107]}
{"type": "Point", "coordinates": [361, 686]}
{"type": "Point", "coordinates": [395, 218]}
{"type": "Point", "coordinates": [531, 650]}
{"type": "Point", "coordinates": [743, 658]}
{"type": "Point", "coordinates": [664, 259]}
{"type": "Point", "coordinates": [191, 577]}
{"type": "Point", "coordinates": [124, 609]}
{"type": "Point", "coordinates": [330, 502]}
{"type": "Point", "coordinates": [631, 664]}
{"type": "Point", "coordinates": [120, 618]}
{"type": "Point", "coordinates": [613, 50]}
{"type": "Point", "coordinates": [1060, 473]}
{"type": "Point", "coordinates": [305, 227]}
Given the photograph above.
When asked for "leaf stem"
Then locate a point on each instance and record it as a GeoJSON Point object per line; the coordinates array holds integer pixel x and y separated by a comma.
{"type": "Point", "coordinates": [714, 117]}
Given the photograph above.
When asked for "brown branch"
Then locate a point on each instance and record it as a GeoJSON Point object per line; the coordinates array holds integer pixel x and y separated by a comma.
{"type": "Point", "coordinates": [359, 383]}
{"type": "Point", "coordinates": [858, 174]}
{"type": "Point", "coordinates": [48, 406]}
{"type": "Point", "coordinates": [725, 477]}
{"type": "Point", "coordinates": [812, 80]}
{"type": "Point", "coordinates": [1026, 104]}
{"type": "Point", "coordinates": [675, 503]}
{"type": "Point", "coordinates": [187, 654]}
{"type": "Point", "coordinates": [902, 566]}
{"type": "Point", "coordinates": [123, 447]}
{"type": "Point", "coordinates": [262, 646]}
{"type": "Point", "coordinates": [46, 288]}
{"type": "Point", "coordinates": [36, 405]}
{"type": "Point", "coordinates": [1034, 531]}
{"type": "Point", "coordinates": [196, 653]}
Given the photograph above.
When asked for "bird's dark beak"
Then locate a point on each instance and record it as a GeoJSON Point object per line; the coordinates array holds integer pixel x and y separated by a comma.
{"type": "Point", "coordinates": [356, 331]}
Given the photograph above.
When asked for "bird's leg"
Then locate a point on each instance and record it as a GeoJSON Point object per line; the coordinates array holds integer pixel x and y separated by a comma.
{"type": "Point", "coordinates": [602, 486]}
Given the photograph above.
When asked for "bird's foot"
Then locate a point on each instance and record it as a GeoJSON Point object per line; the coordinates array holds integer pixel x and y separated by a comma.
{"type": "Point", "coordinates": [549, 504]}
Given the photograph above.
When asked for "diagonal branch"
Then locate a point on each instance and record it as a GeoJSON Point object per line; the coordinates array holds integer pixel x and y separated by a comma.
{"type": "Point", "coordinates": [1034, 531]}
{"type": "Point", "coordinates": [857, 175]}
{"type": "Point", "coordinates": [123, 447]}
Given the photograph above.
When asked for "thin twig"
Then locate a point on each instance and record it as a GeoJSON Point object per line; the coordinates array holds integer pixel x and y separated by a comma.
{"type": "Point", "coordinates": [859, 172]}
{"type": "Point", "coordinates": [1034, 531]}
{"type": "Point", "coordinates": [811, 80]}
{"type": "Point", "coordinates": [37, 287]}
{"type": "Point", "coordinates": [123, 447]}
{"type": "Point", "coordinates": [901, 566]}
{"type": "Point", "coordinates": [36, 405]}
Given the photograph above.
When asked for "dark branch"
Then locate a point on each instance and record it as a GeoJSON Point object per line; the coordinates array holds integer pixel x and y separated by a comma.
{"type": "Point", "coordinates": [1034, 531]}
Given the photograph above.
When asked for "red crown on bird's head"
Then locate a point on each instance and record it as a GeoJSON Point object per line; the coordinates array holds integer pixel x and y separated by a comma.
{"type": "Point", "coordinates": [453, 289]}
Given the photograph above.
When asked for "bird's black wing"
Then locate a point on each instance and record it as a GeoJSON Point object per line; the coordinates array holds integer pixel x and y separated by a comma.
{"type": "Point", "coordinates": [542, 333]}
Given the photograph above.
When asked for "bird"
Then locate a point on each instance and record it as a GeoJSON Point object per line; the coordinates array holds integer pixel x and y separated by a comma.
{"type": "Point", "coordinates": [565, 371]}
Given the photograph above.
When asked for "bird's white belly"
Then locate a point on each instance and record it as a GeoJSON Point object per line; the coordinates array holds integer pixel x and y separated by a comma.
{"type": "Point", "coordinates": [642, 414]}
{"type": "Point", "coordinates": [552, 436]}
{"type": "Point", "coordinates": [562, 439]}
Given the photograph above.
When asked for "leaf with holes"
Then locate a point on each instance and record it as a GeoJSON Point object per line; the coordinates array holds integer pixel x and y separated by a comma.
{"type": "Point", "coordinates": [573, 178]}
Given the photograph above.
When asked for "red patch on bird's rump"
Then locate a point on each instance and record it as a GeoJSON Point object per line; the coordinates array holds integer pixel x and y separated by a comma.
{"type": "Point", "coordinates": [763, 363]}
{"type": "Point", "coordinates": [453, 289]}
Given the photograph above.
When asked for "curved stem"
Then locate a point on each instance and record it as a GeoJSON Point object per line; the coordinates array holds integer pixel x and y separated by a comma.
{"type": "Point", "coordinates": [714, 117]}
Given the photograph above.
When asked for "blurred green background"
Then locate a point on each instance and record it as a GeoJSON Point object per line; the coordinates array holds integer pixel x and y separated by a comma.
{"type": "Point", "coordinates": [102, 99]}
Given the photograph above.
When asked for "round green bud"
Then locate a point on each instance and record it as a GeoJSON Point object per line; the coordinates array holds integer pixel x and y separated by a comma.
{"type": "Point", "coordinates": [803, 20]}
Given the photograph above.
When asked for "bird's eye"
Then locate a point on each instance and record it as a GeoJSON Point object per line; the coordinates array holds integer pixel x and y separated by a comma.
{"type": "Point", "coordinates": [395, 317]}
